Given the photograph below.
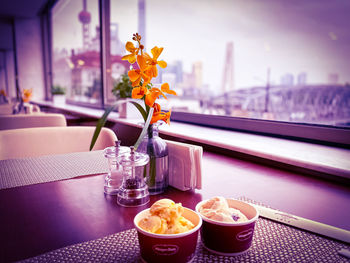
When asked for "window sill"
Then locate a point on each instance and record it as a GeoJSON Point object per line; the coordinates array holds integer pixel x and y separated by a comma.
{"type": "Point", "coordinates": [318, 158]}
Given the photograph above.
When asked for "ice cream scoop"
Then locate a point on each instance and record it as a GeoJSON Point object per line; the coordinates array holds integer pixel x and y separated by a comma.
{"type": "Point", "coordinates": [165, 217]}
{"type": "Point", "coordinates": [218, 209]}
{"type": "Point", "coordinates": [169, 233]}
{"type": "Point", "coordinates": [228, 225]}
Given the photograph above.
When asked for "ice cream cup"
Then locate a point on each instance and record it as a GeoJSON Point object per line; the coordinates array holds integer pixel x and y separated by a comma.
{"type": "Point", "coordinates": [169, 247]}
{"type": "Point", "coordinates": [229, 239]}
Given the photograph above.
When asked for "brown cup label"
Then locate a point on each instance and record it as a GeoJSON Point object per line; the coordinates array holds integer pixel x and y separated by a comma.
{"type": "Point", "coordinates": [165, 249]}
{"type": "Point", "coordinates": [244, 235]}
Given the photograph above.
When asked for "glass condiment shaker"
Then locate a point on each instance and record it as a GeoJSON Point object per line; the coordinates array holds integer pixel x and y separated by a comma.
{"type": "Point", "coordinates": [114, 178]}
{"type": "Point", "coordinates": [134, 190]}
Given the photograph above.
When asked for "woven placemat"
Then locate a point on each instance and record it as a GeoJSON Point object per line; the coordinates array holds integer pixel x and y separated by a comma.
{"type": "Point", "coordinates": [272, 242]}
{"type": "Point", "coordinates": [43, 169]}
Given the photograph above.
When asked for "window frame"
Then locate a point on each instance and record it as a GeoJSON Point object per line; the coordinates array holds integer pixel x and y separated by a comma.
{"type": "Point", "coordinates": [46, 36]}
{"type": "Point", "coordinates": [321, 134]}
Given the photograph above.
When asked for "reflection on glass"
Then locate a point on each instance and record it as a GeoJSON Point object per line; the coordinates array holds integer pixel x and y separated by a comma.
{"type": "Point", "coordinates": [76, 49]}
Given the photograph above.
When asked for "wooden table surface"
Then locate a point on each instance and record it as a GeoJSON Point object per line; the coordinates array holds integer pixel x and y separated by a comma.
{"type": "Point", "coordinates": [39, 218]}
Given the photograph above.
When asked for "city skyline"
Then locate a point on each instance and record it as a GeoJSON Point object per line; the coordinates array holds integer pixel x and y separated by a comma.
{"type": "Point", "coordinates": [254, 52]}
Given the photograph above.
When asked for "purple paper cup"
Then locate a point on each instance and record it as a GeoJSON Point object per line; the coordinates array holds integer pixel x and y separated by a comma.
{"type": "Point", "coordinates": [229, 239]}
{"type": "Point", "coordinates": [169, 247]}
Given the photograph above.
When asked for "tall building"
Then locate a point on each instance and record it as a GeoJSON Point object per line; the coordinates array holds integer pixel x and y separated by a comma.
{"type": "Point", "coordinates": [117, 47]}
{"type": "Point", "coordinates": [188, 80]}
{"type": "Point", "coordinates": [333, 78]}
{"type": "Point", "coordinates": [85, 19]}
{"type": "Point", "coordinates": [228, 78]}
{"type": "Point", "coordinates": [287, 80]}
{"type": "Point", "coordinates": [302, 78]}
{"type": "Point", "coordinates": [197, 71]}
{"type": "Point", "coordinates": [142, 20]}
{"type": "Point", "coordinates": [175, 68]}
{"type": "Point", "coordinates": [95, 41]}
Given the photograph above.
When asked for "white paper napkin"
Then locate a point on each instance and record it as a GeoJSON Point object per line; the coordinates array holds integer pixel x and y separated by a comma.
{"type": "Point", "coordinates": [185, 165]}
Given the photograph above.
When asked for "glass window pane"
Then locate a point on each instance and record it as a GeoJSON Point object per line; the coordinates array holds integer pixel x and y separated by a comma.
{"type": "Point", "coordinates": [76, 50]}
{"type": "Point", "coordinates": [277, 60]}
{"type": "Point", "coordinates": [123, 23]}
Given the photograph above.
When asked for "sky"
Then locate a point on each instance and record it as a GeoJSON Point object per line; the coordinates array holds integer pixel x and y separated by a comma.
{"type": "Point", "coordinates": [296, 36]}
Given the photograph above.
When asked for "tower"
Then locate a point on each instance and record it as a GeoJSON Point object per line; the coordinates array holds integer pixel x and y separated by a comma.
{"type": "Point", "coordinates": [227, 79]}
{"type": "Point", "coordinates": [142, 21]}
{"type": "Point", "coordinates": [117, 46]}
{"type": "Point", "coordinates": [302, 78]}
{"type": "Point", "coordinates": [85, 18]}
{"type": "Point", "coordinates": [197, 71]}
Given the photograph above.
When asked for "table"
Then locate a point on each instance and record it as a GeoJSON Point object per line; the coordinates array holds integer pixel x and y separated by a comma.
{"type": "Point", "coordinates": [38, 218]}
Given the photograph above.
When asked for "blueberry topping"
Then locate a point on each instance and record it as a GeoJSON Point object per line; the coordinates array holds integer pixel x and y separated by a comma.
{"type": "Point", "coordinates": [235, 217]}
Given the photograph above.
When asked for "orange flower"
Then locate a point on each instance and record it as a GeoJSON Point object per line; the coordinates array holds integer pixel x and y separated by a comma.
{"type": "Point", "coordinates": [129, 46]}
{"type": "Point", "coordinates": [27, 94]}
{"type": "Point", "coordinates": [136, 75]}
{"type": "Point", "coordinates": [147, 69]}
{"type": "Point", "coordinates": [139, 92]}
{"type": "Point", "coordinates": [3, 92]}
{"type": "Point", "coordinates": [153, 62]}
{"type": "Point", "coordinates": [160, 115]}
{"type": "Point", "coordinates": [166, 118]}
{"type": "Point", "coordinates": [163, 116]}
{"type": "Point", "coordinates": [156, 117]}
{"type": "Point", "coordinates": [165, 88]}
{"type": "Point", "coordinates": [156, 107]}
{"type": "Point", "coordinates": [153, 94]}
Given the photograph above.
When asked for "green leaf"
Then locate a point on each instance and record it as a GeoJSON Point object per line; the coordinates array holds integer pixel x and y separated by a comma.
{"type": "Point", "coordinates": [100, 123]}
{"type": "Point", "coordinates": [58, 90]}
{"type": "Point", "coordinates": [141, 109]}
{"type": "Point", "coordinates": [144, 130]}
{"type": "Point", "coordinates": [122, 87]}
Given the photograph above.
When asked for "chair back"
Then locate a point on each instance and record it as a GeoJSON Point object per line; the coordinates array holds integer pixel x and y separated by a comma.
{"type": "Point", "coordinates": [33, 142]}
{"type": "Point", "coordinates": [6, 109]}
{"type": "Point", "coordinates": [19, 121]}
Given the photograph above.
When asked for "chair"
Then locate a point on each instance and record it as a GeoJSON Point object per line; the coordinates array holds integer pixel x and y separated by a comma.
{"type": "Point", "coordinates": [18, 121]}
{"type": "Point", "coordinates": [33, 142]}
{"type": "Point", "coordinates": [6, 109]}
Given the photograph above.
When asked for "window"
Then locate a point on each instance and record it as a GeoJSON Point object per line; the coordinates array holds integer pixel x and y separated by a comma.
{"type": "Point", "coordinates": [271, 60]}
{"type": "Point", "coordinates": [238, 64]}
{"type": "Point", "coordinates": [76, 52]}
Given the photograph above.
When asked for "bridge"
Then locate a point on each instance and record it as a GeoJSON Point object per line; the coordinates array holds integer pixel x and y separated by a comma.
{"type": "Point", "coordinates": [321, 104]}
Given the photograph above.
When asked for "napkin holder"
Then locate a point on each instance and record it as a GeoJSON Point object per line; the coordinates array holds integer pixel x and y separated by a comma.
{"type": "Point", "coordinates": [185, 165]}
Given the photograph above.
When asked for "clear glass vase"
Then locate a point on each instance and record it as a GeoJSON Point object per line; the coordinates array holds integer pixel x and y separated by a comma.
{"type": "Point", "coordinates": [157, 170]}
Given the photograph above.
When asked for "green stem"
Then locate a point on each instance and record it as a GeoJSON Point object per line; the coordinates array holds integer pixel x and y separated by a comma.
{"type": "Point", "coordinates": [144, 130]}
{"type": "Point", "coordinates": [152, 171]}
